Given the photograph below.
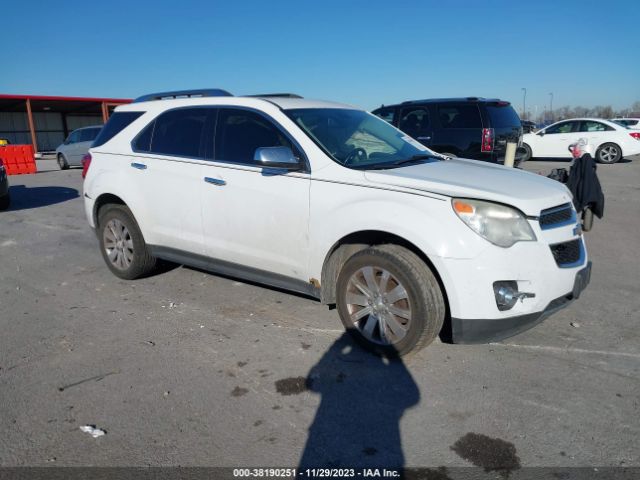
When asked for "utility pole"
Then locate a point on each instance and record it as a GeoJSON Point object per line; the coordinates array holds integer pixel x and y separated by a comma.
{"type": "Point", "coordinates": [551, 106]}
{"type": "Point", "coordinates": [524, 103]}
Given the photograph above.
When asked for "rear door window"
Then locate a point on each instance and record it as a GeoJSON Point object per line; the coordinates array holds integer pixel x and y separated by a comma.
{"type": "Point", "coordinates": [180, 132]}
{"type": "Point", "coordinates": [591, 126]}
{"type": "Point", "coordinates": [503, 116]}
{"type": "Point", "coordinates": [116, 123]}
{"type": "Point", "coordinates": [415, 122]}
{"type": "Point", "coordinates": [459, 116]}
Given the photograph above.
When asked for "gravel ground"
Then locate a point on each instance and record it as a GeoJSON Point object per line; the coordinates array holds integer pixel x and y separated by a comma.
{"type": "Point", "coordinates": [187, 368]}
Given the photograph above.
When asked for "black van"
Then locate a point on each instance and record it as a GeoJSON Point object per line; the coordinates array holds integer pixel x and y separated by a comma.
{"type": "Point", "coordinates": [470, 127]}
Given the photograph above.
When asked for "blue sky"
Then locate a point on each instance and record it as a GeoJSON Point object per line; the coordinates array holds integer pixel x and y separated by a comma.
{"type": "Point", "coordinates": [360, 52]}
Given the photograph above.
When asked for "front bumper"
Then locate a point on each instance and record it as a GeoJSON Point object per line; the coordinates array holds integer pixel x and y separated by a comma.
{"type": "Point", "coordinates": [490, 330]}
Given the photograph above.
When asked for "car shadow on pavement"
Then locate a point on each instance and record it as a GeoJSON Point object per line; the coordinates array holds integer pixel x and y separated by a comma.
{"type": "Point", "coordinates": [25, 198]}
{"type": "Point", "coordinates": [363, 398]}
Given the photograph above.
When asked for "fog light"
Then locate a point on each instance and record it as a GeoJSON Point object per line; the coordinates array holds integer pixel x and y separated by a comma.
{"type": "Point", "coordinates": [507, 294]}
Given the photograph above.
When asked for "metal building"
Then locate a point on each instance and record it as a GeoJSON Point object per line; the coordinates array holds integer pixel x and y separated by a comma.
{"type": "Point", "coordinates": [45, 121]}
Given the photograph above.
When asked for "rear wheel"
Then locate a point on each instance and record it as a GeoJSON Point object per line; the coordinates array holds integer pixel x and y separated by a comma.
{"type": "Point", "coordinates": [389, 300]}
{"type": "Point", "coordinates": [608, 153]}
{"type": "Point", "coordinates": [62, 162]}
{"type": "Point", "coordinates": [122, 244]}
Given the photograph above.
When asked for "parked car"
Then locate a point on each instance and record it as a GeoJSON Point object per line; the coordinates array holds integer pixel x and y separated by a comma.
{"type": "Point", "coordinates": [632, 123]}
{"type": "Point", "coordinates": [470, 127]}
{"type": "Point", "coordinates": [5, 198]}
{"type": "Point", "coordinates": [611, 141]}
{"type": "Point", "coordinates": [330, 201]}
{"type": "Point", "coordinates": [528, 126]}
{"type": "Point", "coordinates": [76, 146]}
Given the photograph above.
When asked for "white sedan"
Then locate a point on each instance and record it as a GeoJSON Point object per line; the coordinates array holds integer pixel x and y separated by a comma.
{"type": "Point", "coordinates": [632, 123]}
{"type": "Point", "coordinates": [611, 141]}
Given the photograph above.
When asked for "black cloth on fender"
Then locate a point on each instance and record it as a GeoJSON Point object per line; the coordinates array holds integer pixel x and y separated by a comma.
{"type": "Point", "coordinates": [585, 186]}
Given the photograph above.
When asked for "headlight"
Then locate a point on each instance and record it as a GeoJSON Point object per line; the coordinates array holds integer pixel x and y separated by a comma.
{"type": "Point", "coordinates": [501, 225]}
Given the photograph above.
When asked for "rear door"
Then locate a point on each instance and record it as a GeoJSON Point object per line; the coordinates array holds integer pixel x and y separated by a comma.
{"type": "Point", "coordinates": [506, 125]}
{"type": "Point", "coordinates": [596, 132]}
{"type": "Point", "coordinates": [416, 122]}
{"type": "Point", "coordinates": [167, 168]}
{"type": "Point", "coordinates": [460, 131]}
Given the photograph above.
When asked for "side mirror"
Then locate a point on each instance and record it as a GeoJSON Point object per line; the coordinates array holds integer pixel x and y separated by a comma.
{"type": "Point", "coordinates": [541, 133]}
{"type": "Point", "coordinates": [276, 157]}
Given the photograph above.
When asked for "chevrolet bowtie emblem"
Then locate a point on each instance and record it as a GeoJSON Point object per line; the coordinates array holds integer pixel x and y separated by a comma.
{"type": "Point", "coordinates": [577, 230]}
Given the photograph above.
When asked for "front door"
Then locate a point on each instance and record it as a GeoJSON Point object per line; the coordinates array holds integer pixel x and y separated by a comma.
{"type": "Point", "coordinates": [252, 216]}
{"type": "Point", "coordinates": [416, 123]}
{"type": "Point", "coordinates": [557, 138]}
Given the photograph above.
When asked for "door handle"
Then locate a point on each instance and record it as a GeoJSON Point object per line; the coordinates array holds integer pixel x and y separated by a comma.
{"type": "Point", "coordinates": [139, 166]}
{"type": "Point", "coordinates": [215, 181]}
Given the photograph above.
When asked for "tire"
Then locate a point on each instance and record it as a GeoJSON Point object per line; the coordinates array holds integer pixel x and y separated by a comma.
{"type": "Point", "coordinates": [122, 244]}
{"type": "Point", "coordinates": [608, 153]}
{"type": "Point", "coordinates": [5, 202]}
{"type": "Point", "coordinates": [417, 297]}
{"type": "Point", "coordinates": [526, 156]}
{"type": "Point", "coordinates": [587, 220]}
{"type": "Point", "coordinates": [62, 162]}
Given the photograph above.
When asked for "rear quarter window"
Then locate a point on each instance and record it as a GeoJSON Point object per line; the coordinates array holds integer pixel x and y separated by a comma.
{"type": "Point", "coordinates": [116, 123]}
{"type": "Point", "coordinates": [503, 116]}
{"type": "Point", "coordinates": [459, 116]}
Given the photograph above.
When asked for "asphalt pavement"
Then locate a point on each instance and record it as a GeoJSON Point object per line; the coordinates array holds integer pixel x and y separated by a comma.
{"type": "Point", "coordinates": [192, 369]}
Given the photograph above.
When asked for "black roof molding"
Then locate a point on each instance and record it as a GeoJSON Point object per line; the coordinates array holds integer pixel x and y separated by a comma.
{"type": "Point", "coordinates": [281, 95]}
{"type": "Point", "coordinates": [451, 100]}
{"type": "Point", "coordinates": [203, 92]}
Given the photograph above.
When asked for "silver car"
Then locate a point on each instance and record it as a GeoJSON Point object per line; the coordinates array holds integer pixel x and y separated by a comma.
{"type": "Point", "coordinates": [76, 146]}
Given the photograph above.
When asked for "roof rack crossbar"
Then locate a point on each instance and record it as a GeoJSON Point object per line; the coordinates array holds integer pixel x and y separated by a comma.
{"type": "Point", "coordinates": [282, 95]}
{"type": "Point", "coordinates": [203, 92]}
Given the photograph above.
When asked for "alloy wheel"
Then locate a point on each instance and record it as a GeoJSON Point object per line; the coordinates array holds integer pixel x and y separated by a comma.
{"type": "Point", "coordinates": [118, 244]}
{"type": "Point", "coordinates": [608, 154]}
{"type": "Point", "coordinates": [378, 305]}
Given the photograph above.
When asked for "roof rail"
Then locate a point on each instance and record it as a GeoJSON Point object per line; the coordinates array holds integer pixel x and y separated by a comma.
{"type": "Point", "coordinates": [282, 95]}
{"type": "Point", "coordinates": [203, 92]}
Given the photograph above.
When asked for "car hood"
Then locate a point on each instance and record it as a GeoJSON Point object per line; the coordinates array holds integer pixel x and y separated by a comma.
{"type": "Point", "coordinates": [526, 191]}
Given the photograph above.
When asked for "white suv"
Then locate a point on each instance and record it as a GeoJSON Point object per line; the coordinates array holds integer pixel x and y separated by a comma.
{"type": "Point", "coordinates": [331, 201]}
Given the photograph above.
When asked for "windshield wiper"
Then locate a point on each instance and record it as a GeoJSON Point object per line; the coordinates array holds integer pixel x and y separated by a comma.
{"type": "Point", "coordinates": [404, 161]}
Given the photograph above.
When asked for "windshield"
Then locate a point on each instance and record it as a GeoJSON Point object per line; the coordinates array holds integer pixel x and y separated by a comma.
{"type": "Point", "coordinates": [357, 139]}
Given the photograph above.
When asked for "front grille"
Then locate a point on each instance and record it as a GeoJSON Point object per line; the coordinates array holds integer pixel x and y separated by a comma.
{"type": "Point", "coordinates": [557, 216]}
{"type": "Point", "coordinates": [568, 254]}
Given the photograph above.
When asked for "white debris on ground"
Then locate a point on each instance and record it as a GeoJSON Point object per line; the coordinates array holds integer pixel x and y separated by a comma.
{"type": "Point", "coordinates": [93, 431]}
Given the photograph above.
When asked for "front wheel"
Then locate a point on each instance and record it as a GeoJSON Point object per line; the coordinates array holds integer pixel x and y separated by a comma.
{"type": "Point", "coordinates": [5, 202]}
{"type": "Point", "coordinates": [390, 300]}
{"type": "Point", "coordinates": [122, 244]}
{"type": "Point", "coordinates": [526, 153]}
{"type": "Point", "coordinates": [608, 153]}
{"type": "Point", "coordinates": [62, 162]}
